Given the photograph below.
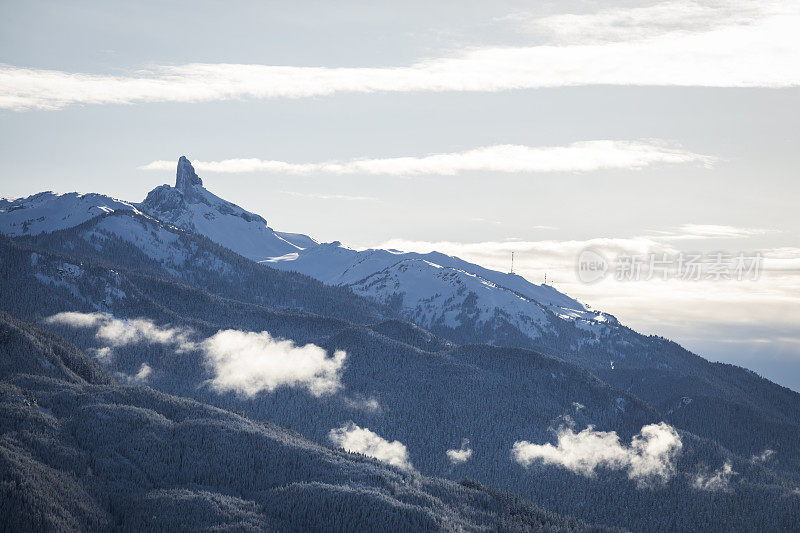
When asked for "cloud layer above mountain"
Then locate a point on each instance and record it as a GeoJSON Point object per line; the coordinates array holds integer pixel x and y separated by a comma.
{"type": "Point", "coordinates": [576, 157]}
{"type": "Point", "coordinates": [715, 46]}
{"type": "Point", "coordinates": [649, 457]}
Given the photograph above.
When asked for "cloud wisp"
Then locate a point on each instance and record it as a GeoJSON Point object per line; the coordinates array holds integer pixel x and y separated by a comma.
{"type": "Point", "coordinates": [361, 440]}
{"type": "Point", "coordinates": [718, 480]}
{"type": "Point", "coordinates": [691, 232]}
{"type": "Point", "coordinates": [243, 362]}
{"type": "Point", "coordinates": [116, 332]}
{"type": "Point", "coordinates": [139, 377]}
{"type": "Point", "coordinates": [620, 24]}
{"type": "Point", "coordinates": [346, 197]}
{"type": "Point", "coordinates": [649, 458]}
{"type": "Point", "coordinates": [583, 156]}
{"type": "Point", "coordinates": [461, 455]}
{"type": "Point", "coordinates": [624, 47]}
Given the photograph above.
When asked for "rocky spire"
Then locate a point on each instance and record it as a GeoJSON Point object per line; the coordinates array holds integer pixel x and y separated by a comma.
{"type": "Point", "coordinates": [187, 177]}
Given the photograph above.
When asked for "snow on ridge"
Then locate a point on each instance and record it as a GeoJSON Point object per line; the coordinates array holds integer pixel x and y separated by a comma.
{"type": "Point", "coordinates": [190, 207]}
{"type": "Point", "coordinates": [369, 272]}
{"type": "Point", "coordinates": [46, 212]}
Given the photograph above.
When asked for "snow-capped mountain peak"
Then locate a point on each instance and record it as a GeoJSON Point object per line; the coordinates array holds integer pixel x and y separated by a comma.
{"type": "Point", "coordinates": [190, 206]}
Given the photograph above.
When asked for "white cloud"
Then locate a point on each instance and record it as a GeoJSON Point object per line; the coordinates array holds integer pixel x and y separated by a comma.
{"type": "Point", "coordinates": [763, 457]}
{"type": "Point", "coordinates": [361, 440]}
{"type": "Point", "coordinates": [249, 362]}
{"type": "Point", "coordinates": [649, 457]}
{"type": "Point", "coordinates": [745, 51]}
{"type": "Point", "coordinates": [120, 332]}
{"type": "Point", "coordinates": [709, 231]}
{"type": "Point", "coordinates": [460, 455]}
{"type": "Point", "coordinates": [719, 479]}
{"type": "Point", "coordinates": [324, 196]}
{"type": "Point", "coordinates": [241, 361]}
{"type": "Point", "coordinates": [140, 377]}
{"type": "Point", "coordinates": [77, 320]}
{"type": "Point", "coordinates": [143, 373]}
{"type": "Point", "coordinates": [103, 354]}
{"type": "Point", "coordinates": [616, 24]}
{"type": "Point", "coordinates": [363, 403]}
{"type": "Point", "coordinates": [576, 157]}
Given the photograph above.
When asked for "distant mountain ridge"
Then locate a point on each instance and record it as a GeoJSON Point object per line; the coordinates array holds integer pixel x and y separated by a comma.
{"type": "Point", "coordinates": [46, 212]}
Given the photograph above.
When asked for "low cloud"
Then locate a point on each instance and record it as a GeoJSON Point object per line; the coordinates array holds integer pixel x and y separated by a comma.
{"type": "Point", "coordinates": [576, 157]}
{"type": "Point", "coordinates": [240, 361]}
{"type": "Point", "coordinates": [122, 331]}
{"type": "Point", "coordinates": [249, 362]}
{"type": "Point", "coordinates": [139, 377]}
{"type": "Point", "coordinates": [362, 403]}
{"type": "Point", "coordinates": [719, 479]}
{"type": "Point", "coordinates": [649, 458]}
{"type": "Point", "coordinates": [361, 440]}
{"type": "Point", "coordinates": [763, 457]}
{"type": "Point", "coordinates": [460, 455]}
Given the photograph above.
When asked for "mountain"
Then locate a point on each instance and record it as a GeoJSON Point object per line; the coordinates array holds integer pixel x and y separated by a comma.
{"type": "Point", "coordinates": [466, 303]}
{"type": "Point", "coordinates": [445, 293]}
{"type": "Point", "coordinates": [185, 465]}
{"type": "Point", "coordinates": [142, 244]}
{"type": "Point", "coordinates": [190, 206]}
{"type": "Point", "coordinates": [426, 349]}
{"type": "Point", "coordinates": [47, 212]}
{"type": "Point", "coordinates": [397, 381]}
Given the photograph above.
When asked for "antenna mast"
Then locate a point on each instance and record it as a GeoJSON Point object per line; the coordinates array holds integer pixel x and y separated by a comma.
{"type": "Point", "coordinates": [512, 262]}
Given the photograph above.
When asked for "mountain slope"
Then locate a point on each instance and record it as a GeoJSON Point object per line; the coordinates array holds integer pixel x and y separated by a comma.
{"type": "Point", "coordinates": [428, 399]}
{"type": "Point", "coordinates": [190, 206]}
{"type": "Point", "coordinates": [130, 241]}
{"type": "Point", "coordinates": [47, 212]}
{"type": "Point", "coordinates": [184, 465]}
{"type": "Point", "coordinates": [427, 389]}
{"type": "Point", "coordinates": [460, 300]}
{"type": "Point", "coordinates": [466, 303]}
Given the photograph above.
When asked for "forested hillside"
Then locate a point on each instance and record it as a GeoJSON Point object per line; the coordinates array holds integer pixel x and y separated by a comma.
{"type": "Point", "coordinates": [395, 383]}
{"type": "Point", "coordinates": [426, 362]}
{"type": "Point", "coordinates": [730, 405]}
{"type": "Point", "coordinates": [184, 465]}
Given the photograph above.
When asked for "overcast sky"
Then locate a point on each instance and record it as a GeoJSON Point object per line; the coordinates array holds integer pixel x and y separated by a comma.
{"type": "Point", "coordinates": [474, 128]}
